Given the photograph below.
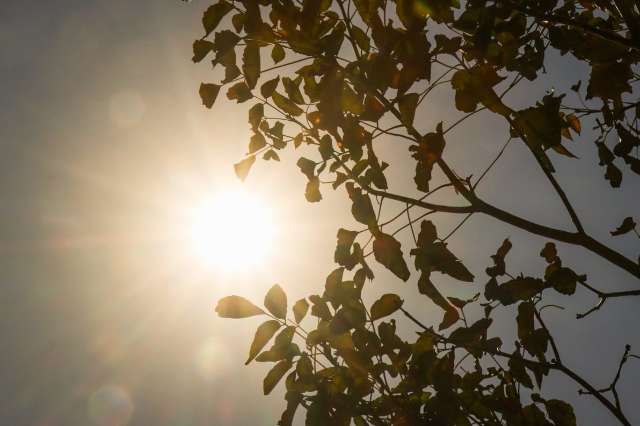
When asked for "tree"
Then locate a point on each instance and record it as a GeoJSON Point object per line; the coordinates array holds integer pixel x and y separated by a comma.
{"type": "Point", "coordinates": [336, 79]}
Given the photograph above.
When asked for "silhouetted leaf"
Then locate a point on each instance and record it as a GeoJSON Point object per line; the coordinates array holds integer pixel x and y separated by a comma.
{"type": "Point", "coordinates": [274, 375]}
{"type": "Point", "coordinates": [214, 15]}
{"type": "Point", "coordinates": [276, 302]}
{"type": "Point", "coordinates": [201, 49]}
{"type": "Point", "coordinates": [408, 104]}
{"type": "Point", "coordinates": [237, 307]}
{"type": "Point", "coordinates": [251, 64]}
{"type": "Point", "coordinates": [286, 105]}
{"type": "Point", "coordinates": [560, 413]}
{"type": "Point", "coordinates": [277, 53]}
{"type": "Point", "coordinates": [240, 92]}
{"type": "Point", "coordinates": [209, 93]}
{"type": "Point", "coordinates": [385, 306]}
{"type": "Point", "coordinates": [386, 250]}
{"type": "Point", "coordinates": [264, 333]}
{"type": "Point", "coordinates": [627, 225]}
{"type": "Point", "coordinates": [269, 87]}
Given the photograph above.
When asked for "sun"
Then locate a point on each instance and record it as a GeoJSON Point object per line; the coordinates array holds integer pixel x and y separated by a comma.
{"type": "Point", "coordinates": [233, 230]}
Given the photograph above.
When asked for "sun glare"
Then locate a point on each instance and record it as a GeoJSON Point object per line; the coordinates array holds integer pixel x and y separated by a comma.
{"type": "Point", "coordinates": [233, 230]}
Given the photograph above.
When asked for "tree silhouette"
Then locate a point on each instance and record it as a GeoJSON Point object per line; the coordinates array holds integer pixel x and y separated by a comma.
{"type": "Point", "coordinates": [338, 78]}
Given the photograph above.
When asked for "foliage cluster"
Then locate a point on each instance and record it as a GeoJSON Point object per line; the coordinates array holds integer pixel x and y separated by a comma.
{"type": "Point", "coordinates": [341, 77]}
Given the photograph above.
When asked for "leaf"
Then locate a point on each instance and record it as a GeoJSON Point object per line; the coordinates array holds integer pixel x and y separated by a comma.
{"type": "Point", "coordinates": [385, 306]}
{"type": "Point", "coordinates": [201, 49]}
{"type": "Point", "coordinates": [214, 14]}
{"type": "Point", "coordinates": [307, 167]}
{"type": "Point", "coordinates": [292, 87]}
{"type": "Point", "coordinates": [312, 192]}
{"type": "Point", "coordinates": [521, 288]}
{"type": "Point", "coordinates": [386, 250]}
{"type": "Point", "coordinates": [574, 123]}
{"type": "Point", "coordinates": [269, 87]}
{"type": "Point", "coordinates": [276, 302]}
{"type": "Point", "coordinates": [300, 309]}
{"type": "Point", "coordinates": [256, 143]}
{"type": "Point", "coordinates": [264, 333]}
{"type": "Point", "coordinates": [256, 113]}
{"type": "Point", "coordinates": [242, 168]}
{"type": "Point", "coordinates": [271, 155]}
{"type": "Point", "coordinates": [286, 105]}
{"type": "Point", "coordinates": [549, 252]}
{"type": "Point", "coordinates": [627, 225]}
{"type": "Point", "coordinates": [274, 375]}
{"type": "Point", "coordinates": [209, 93]}
{"type": "Point", "coordinates": [361, 38]}
{"type": "Point", "coordinates": [237, 307]}
{"type": "Point", "coordinates": [240, 92]}
{"type": "Point", "coordinates": [277, 53]}
{"type": "Point", "coordinates": [451, 316]}
{"type": "Point", "coordinates": [560, 412]}
{"type": "Point", "coordinates": [408, 104]}
{"type": "Point", "coordinates": [251, 64]}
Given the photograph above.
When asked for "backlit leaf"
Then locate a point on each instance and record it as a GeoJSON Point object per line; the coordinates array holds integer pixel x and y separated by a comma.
{"type": "Point", "coordinates": [242, 168]}
{"type": "Point", "coordinates": [276, 302]}
{"type": "Point", "coordinates": [274, 375]}
{"type": "Point", "coordinates": [300, 309]}
{"type": "Point", "coordinates": [264, 333]}
{"type": "Point", "coordinates": [237, 307]}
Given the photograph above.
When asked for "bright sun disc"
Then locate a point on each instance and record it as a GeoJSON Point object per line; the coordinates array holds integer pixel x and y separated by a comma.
{"type": "Point", "coordinates": [234, 229]}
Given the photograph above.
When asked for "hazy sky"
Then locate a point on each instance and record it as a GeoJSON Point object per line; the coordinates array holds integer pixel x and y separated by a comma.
{"type": "Point", "coordinates": [105, 146]}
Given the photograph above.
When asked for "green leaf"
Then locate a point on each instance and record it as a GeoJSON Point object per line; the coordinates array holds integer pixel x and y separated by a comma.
{"type": "Point", "coordinates": [209, 93]}
{"type": "Point", "coordinates": [242, 168]}
{"type": "Point", "coordinates": [273, 377]}
{"type": "Point", "coordinates": [237, 307]}
{"type": "Point", "coordinates": [277, 53]}
{"type": "Point", "coordinates": [264, 333]}
{"type": "Point", "coordinates": [627, 225]}
{"type": "Point", "coordinates": [312, 192]}
{"type": "Point", "coordinates": [385, 306]}
{"type": "Point", "coordinates": [300, 309]}
{"type": "Point", "coordinates": [286, 105]}
{"type": "Point", "coordinates": [251, 64]}
{"type": "Point", "coordinates": [386, 250]}
{"type": "Point", "coordinates": [276, 302]}
{"type": "Point", "coordinates": [269, 87]}
{"type": "Point", "coordinates": [214, 14]}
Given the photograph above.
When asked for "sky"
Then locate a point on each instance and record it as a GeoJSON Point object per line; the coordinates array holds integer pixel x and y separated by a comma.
{"type": "Point", "coordinates": [106, 312]}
